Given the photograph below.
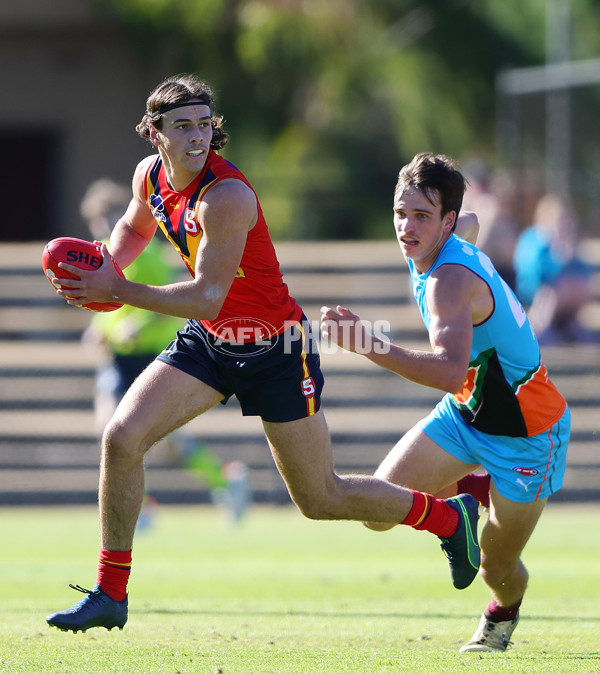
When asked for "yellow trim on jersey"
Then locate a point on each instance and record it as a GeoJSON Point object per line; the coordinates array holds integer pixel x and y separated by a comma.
{"type": "Point", "coordinates": [305, 369]}
{"type": "Point", "coordinates": [311, 405]}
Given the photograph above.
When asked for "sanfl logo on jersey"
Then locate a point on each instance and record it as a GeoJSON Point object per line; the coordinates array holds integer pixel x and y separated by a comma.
{"type": "Point", "coordinates": [157, 207]}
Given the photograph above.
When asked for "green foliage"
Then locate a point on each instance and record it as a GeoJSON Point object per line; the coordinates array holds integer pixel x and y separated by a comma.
{"type": "Point", "coordinates": [355, 87]}
{"type": "Point", "coordinates": [280, 593]}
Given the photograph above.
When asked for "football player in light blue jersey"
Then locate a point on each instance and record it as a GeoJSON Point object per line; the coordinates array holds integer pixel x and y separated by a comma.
{"type": "Point", "coordinates": [500, 411]}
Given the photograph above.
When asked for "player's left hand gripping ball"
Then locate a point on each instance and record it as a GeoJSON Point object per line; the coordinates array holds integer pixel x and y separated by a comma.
{"type": "Point", "coordinates": [79, 253]}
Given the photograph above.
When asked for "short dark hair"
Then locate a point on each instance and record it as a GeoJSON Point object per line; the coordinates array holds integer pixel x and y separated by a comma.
{"type": "Point", "coordinates": [434, 174]}
{"type": "Point", "coordinates": [176, 90]}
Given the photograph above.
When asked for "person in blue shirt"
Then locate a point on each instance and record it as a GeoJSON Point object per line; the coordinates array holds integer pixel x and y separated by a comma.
{"type": "Point", "coordinates": [553, 281]}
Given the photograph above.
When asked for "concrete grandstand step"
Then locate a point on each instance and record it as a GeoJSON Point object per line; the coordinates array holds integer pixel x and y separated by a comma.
{"type": "Point", "coordinates": [80, 421]}
{"type": "Point", "coordinates": [50, 452]}
{"type": "Point", "coordinates": [49, 389]}
{"type": "Point", "coordinates": [371, 277]}
{"type": "Point", "coordinates": [45, 356]}
{"type": "Point", "coordinates": [56, 486]}
{"type": "Point", "coordinates": [366, 450]}
{"type": "Point", "coordinates": [26, 289]}
{"type": "Point", "coordinates": [16, 256]}
{"type": "Point", "coordinates": [357, 286]}
{"type": "Point", "coordinates": [55, 320]}
{"type": "Point", "coordinates": [347, 378]}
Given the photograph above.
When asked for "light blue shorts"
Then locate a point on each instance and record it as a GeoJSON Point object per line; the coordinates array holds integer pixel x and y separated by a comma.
{"type": "Point", "coordinates": [523, 469]}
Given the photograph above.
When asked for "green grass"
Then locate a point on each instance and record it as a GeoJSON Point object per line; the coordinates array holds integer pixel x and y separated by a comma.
{"type": "Point", "coordinates": [282, 594]}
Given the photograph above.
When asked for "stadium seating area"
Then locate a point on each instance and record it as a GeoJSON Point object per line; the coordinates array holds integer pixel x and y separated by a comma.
{"type": "Point", "coordinates": [49, 450]}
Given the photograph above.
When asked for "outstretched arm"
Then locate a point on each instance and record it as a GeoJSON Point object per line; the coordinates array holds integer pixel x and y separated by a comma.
{"type": "Point", "coordinates": [456, 298]}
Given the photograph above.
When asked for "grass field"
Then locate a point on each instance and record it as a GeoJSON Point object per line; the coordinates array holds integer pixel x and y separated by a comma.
{"type": "Point", "coordinates": [282, 594]}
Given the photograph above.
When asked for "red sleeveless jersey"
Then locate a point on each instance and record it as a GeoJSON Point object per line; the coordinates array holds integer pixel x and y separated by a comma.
{"type": "Point", "coordinates": [258, 304]}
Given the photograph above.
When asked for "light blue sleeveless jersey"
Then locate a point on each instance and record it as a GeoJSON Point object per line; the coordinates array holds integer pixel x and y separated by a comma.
{"type": "Point", "coordinates": [507, 390]}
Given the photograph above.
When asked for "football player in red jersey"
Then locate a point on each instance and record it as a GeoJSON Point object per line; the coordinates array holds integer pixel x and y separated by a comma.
{"type": "Point", "coordinates": [245, 336]}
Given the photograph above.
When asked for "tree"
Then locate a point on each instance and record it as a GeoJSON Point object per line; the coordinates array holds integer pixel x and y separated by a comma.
{"type": "Point", "coordinates": [326, 99]}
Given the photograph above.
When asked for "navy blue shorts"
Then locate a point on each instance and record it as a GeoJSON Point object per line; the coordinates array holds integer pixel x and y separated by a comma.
{"type": "Point", "coordinates": [278, 380]}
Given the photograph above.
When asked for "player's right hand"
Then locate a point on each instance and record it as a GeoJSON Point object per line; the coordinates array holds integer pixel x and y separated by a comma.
{"type": "Point", "coordinates": [342, 327]}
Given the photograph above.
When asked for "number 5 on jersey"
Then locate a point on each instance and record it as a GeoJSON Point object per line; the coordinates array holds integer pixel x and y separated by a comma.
{"type": "Point", "coordinates": [190, 223]}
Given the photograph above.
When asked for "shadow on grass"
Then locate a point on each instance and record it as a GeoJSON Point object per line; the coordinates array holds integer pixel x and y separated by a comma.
{"type": "Point", "coordinates": [327, 614]}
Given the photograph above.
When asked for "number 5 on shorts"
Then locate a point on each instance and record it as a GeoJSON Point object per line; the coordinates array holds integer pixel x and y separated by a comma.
{"type": "Point", "coordinates": [308, 387]}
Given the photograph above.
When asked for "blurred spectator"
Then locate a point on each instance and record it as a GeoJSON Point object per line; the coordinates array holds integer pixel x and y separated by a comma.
{"type": "Point", "coordinates": [133, 337]}
{"type": "Point", "coordinates": [553, 281]}
{"type": "Point", "coordinates": [498, 230]}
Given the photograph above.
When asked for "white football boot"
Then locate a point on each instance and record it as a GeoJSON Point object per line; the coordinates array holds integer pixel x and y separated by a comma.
{"type": "Point", "coordinates": [491, 636]}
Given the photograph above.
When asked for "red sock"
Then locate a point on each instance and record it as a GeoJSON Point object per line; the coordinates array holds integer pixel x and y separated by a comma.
{"type": "Point", "coordinates": [431, 514]}
{"type": "Point", "coordinates": [477, 485]}
{"type": "Point", "coordinates": [498, 613]}
{"type": "Point", "coordinates": [114, 567]}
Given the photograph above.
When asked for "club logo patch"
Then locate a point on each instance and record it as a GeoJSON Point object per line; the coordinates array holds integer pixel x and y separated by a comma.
{"type": "Point", "coordinates": [157, 207]}
{"type": "Point", "coordinates": [522, 470]}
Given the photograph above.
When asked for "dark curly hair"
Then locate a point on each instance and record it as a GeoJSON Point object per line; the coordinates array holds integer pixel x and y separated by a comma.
{"type": "Point", "coordinates": [176, 90]}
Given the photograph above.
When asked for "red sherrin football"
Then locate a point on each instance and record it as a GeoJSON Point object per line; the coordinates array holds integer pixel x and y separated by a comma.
{"type": "Point", "coordinates": [79, 253]}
